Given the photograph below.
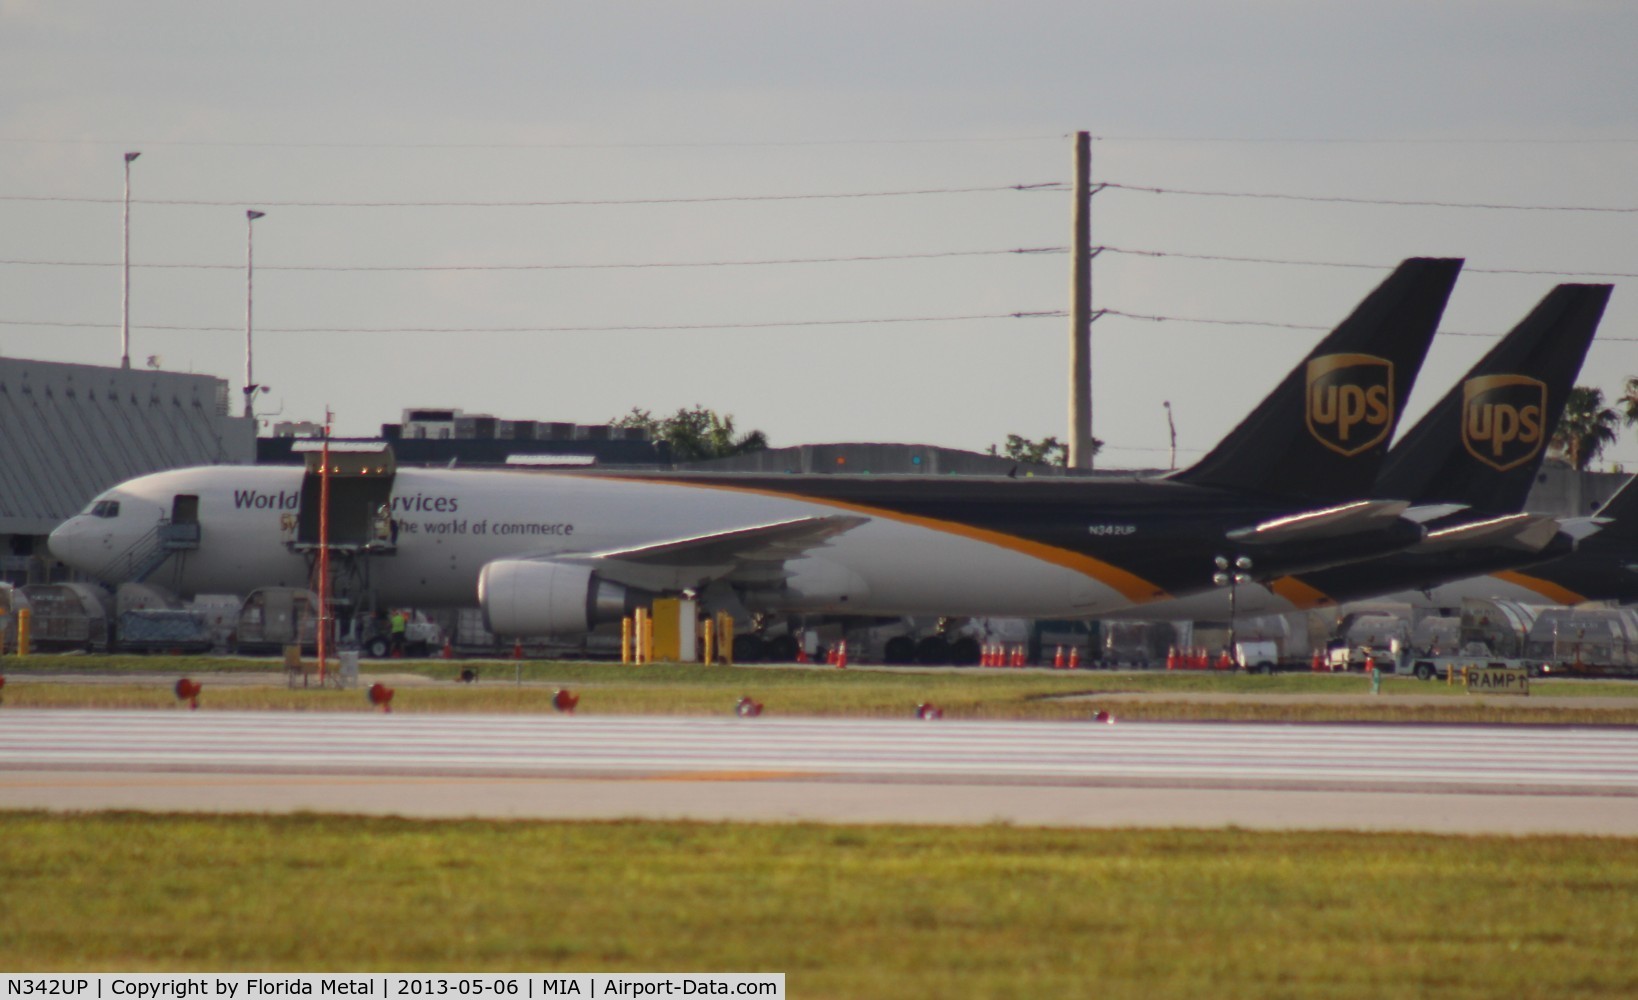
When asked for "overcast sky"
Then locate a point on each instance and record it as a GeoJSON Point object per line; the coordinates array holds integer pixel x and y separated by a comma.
{"type": "Point", "coordinates": [409, 137]}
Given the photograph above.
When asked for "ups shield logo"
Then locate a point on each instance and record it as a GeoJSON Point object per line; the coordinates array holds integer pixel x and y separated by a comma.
{"type": "Point", "coordinates": [1502, 419]}
{"type": "Point", "coordinates": [1350, 401]}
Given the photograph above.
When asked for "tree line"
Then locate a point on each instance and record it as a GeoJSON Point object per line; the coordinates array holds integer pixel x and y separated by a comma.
{"type": "Point", "coordinates": [1588, 426]}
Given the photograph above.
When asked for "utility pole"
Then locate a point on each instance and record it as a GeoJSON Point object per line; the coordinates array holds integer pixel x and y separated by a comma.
{"type": "Point", "coordinates": [1080, 311]}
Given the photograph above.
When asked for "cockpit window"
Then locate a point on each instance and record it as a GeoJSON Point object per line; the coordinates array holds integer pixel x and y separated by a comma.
{"type": "Point", "coordinates": [105, 508]}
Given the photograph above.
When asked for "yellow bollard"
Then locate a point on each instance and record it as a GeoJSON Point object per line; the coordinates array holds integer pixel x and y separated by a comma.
{"type": "Point", "coordinates": [648, 638]}
{"type": "Point", "coordinates": [625, 639]}
{"type": "Point", "coordinates": [24, 616]}
{"type": "Point", "coordinates": [709, 633]}
{"type": "Point", "coordinates": [725, 637]}
{"type": "Point", "coordinates": [639, 626]}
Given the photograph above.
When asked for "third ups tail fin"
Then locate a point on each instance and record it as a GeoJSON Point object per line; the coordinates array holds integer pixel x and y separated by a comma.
{"type": "Point", "coordinates": [1322, 434]}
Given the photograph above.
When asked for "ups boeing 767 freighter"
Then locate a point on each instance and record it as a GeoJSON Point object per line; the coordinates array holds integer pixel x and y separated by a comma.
{"type": "Point", "coordinates": [556, 553]}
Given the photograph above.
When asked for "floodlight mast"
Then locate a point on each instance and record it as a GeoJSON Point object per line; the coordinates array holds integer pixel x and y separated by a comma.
{"type": "Point", "coordinates": [250, 379]}
{"type": "Point", "coordinates": [1231, 573]}
{"type": "Point", "coordinates": [125, 273]}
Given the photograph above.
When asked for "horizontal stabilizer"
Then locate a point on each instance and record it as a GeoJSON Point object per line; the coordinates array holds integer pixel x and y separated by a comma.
{"type": "Point", "coordinates": [1526, 532]}
{"type": "Point", "coordinates": [1427, 513]}
{"type": "Point", "coordinates": [1580, 528]}
{"type": "Point", "coordinates": [1330, 522]}
{"type": "Point", "coordinates": [1620, 512]}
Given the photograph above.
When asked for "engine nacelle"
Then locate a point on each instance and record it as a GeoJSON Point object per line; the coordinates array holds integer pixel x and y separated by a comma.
{"type": "Point", "coordinates": [544, 597]}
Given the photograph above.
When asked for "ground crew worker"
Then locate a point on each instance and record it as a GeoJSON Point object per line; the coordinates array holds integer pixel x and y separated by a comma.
{"type": "Point", "coordinates": [399, 623]}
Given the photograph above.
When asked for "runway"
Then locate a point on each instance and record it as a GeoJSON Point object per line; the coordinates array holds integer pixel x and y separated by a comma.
{"type": "Point", "coordinates": [1435, 778]}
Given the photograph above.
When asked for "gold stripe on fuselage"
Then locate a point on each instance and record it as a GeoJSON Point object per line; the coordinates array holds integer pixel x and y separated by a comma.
{"type": "Point", "coordinates": [1546, 588]}
{"type": "Point", "coordinates": [1129, 585]}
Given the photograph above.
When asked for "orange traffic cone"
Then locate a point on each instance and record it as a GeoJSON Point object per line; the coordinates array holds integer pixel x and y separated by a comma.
{"type": "Point", "coordinates": [841, 656]}
{"type": "Point", "coordinates": [1074, 657]}
{"type": "Point", "coordinates": [517, 649]}
{"type": "Point", "coordinates": [1058, 659]}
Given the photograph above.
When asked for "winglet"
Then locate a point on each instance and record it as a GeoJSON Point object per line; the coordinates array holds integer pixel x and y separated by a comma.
{"type": "Point", "coordinates": [1322, 434]}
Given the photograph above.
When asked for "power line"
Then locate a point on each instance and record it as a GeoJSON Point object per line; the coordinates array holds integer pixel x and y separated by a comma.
{"type": "Point", "coordinates": [1207, 321]}
{"type": "Point", "coordinates": [1349, 200]}
{"type": "Point", "coordinates": [775, 261]}
{"type": "Point", "coordinates": [727, 144]}
{"type": "Point", "coordinates": [1128, 251]}
{"type": "Point", "coordinates": [856, 141]}
{"type": "Point", "coordinates": [636, 265]}
{"type": "Point", "coordinates": [768, 325]}
{"type": "Point", "coordinates": [639, 328]}
{"type": "Point", "coordinates": [543, 203]}
{"type": "Point", "coordinates": [1365, 141]}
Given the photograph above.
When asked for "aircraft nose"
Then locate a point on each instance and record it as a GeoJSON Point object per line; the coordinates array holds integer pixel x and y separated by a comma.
{"type": "Point", "coordinates": [67, 543]}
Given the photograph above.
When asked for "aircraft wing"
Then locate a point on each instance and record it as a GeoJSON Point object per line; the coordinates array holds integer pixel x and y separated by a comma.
{"type": "Point", "coordinates": [1529, 532]}
{"type": "Point", "coordinates": [1328, 522]}
{"type": "Point", "coordinates": [754, 554]}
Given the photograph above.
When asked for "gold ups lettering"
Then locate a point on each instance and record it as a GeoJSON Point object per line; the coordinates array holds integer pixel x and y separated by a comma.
{"type": "Point", "coordinates": [1502, 419]}
{"type": "Point", "coordinates": [1350, 401]}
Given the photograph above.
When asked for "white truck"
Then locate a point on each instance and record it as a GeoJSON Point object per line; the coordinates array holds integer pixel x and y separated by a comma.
{"type": "Point", "coordinates": [1262, 657]}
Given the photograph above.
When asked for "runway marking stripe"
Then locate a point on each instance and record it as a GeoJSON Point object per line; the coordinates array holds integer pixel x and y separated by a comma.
{"type": "Point", "coordinates": [763, 750]}
{"type": "Point", "coordinates": [730, 776]}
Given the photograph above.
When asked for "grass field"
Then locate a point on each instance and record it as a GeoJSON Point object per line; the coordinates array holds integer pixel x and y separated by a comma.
{"type": "Point", "coordinates": [843, 911]}
{"type": "Point", "coordinates": [693, 689]}
{"type": "Point", "coordinates": [906, 912]}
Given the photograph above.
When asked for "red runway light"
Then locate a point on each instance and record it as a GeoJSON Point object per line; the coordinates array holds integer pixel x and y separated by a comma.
{"type": "Point", "coordinates": [188, 691]}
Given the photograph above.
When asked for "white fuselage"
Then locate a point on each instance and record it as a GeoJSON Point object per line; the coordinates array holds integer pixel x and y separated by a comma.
{"type": "Point", "coordinates": [452, 522]}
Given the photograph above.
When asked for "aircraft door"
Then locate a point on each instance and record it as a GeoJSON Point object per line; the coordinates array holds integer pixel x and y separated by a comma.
{"type": "Point", "coordinates": [185, 509]}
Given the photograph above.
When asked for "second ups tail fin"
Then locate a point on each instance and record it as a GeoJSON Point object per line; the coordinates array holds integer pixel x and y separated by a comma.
{"type": "Point", "coordinates": [1322, 434]}
{"type": "Point", "coordinates": [1483, 442]}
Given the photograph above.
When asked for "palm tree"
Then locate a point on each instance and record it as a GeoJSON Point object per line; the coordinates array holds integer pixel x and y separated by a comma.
{"type": "Point", "coordinates": [1629, 401]}
{"type": "Point", "coordinates": [695, 434]}
{"type": "Point", "coordinates": [1587, 425]}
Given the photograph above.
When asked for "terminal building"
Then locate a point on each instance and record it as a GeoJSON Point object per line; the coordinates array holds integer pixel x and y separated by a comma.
{"type": "Point", "coordinates": [68, 432]}
{"type": "Point", "coordinates": [445, 436]}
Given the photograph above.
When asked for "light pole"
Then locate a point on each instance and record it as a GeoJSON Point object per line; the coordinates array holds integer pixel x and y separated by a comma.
{"type": "Point", "coordinates": [1231, 575]}
{"type": "Point", "coordinates": [1172, 429]}
{"type": "Point", "coordinates": [125, 274]}
{"type": "Point", "coordinates": [250, 380]}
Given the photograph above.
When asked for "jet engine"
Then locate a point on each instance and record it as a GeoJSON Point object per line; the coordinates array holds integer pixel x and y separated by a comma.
{"type": "Point", "coordinates": [546, 597]}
